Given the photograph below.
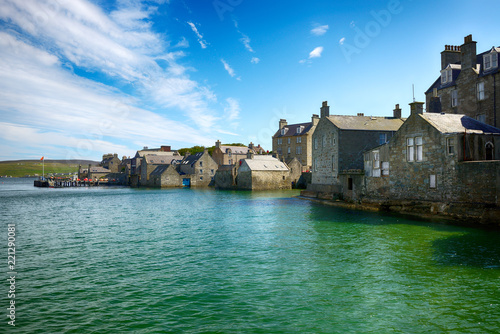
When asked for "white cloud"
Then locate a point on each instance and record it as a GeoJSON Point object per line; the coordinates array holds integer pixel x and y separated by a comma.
{"type": "Point", "coordinates": [320, 30]}
{"type": "Point", "coordinates": [232, 110]}
{"type": "Point", "coordinates": [316, 53]}
{"type": "Point", "coordinates": [40, 94]}
{"type": "Point", "coordinates": [228, 68]}
{"type": "Point", "coordinates": [202, 42]}
{"type": "Point", "coordinates": [341, 41]}
{"type": "Point", "coordinates": [255, 60]}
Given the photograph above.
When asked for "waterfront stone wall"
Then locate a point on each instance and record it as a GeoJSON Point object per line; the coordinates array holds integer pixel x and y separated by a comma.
{"type": "Point", "coordinates": [263, 180]}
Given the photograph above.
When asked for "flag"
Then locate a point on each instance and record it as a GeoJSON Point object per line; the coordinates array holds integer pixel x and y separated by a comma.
{"type": "Point", "coordinates": [41, 158]}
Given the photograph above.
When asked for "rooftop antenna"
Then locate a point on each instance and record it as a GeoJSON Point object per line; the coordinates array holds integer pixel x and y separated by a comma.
{"type": "Point", "coordinates": [413, 90]}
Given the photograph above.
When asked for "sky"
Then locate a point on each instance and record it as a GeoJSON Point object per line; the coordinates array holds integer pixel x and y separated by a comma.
{"type": "Point", "coordinates": [82, 78]}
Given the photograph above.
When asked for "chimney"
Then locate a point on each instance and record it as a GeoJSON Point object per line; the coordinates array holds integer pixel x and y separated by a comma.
{"type": "Point", "coordinates": [397, 112]}
{"type": "Point", "coordinates": [283, 123]}
{"type": "Point", "coordinates": [315, 119]}
{"type": "Point", "coordinates": [250, 154]}
{"type": "Point", "coordinates": [165, 148]}
{"type": "Point", "coordinates": [360, 114]}
{"type": "Point", "coordinates": [434, 102]}
{"type": "Point", "coordinates": [417, 108]}
{"type": "Point", "coordinates": [145, 148]}
{"type": "Point", "coordinates": [468, 52]}
{"type": "Point", "coordinates": [217, 143]}
{"type": "Point", "coordinates": [115, 155]}
{"type": "Point", "coordinates": [250, 146]}
{"type": "Point", "coordinates": [450, 55]}
{"type": "Point", "coordinates": [325, 109]}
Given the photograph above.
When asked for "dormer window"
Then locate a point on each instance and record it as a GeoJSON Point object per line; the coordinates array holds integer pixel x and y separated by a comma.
{"type": "Point", "coordinates": [283, 131]}
{"type": "Point", "coordinates": [299, 129]}
{"type": "Point", "coordinates": [490, 60]}
{"type": "Point", "coordinates": [446, 76]}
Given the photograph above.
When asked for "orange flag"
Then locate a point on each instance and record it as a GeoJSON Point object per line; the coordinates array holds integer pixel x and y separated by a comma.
{"type": "Point", "coordinates": [41, 158]}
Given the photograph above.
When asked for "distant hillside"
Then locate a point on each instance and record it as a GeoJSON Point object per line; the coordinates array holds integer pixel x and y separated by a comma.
{"type": "Point", "coordinates": [20, 168]}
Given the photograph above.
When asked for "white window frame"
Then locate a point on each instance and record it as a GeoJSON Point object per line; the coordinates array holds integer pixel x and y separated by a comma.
{"type": "Point", "coordinates": [385, 167]}
{"type": "Point", "coordinates": [288, 149]}
{"type": "Point", "coordinates": [316, 143]}
{"type": "Point", "coordinates": [432, 181]}
{"type": "Point", "coordinates": [283, 131]}
{"type": "Point", "coordinates": [480, 91]}
{"type": "Point", "coordinates": [454, 98]}
{"type": "Point", "coordinates": [450, 146]}
{"type": "Point", "coordinates": [410, 149]}
{"type": "Point", "coordinates": [280, 141]}
{"type": "Point", "coordinates": [446, 76]}
{"type": "Point", "coordinates": [490, 61]}
{"type": "Point", "coordinates": [376, 160]}
{"type": "Point", "coordinates": [299, 140]}
{"type": "Point", "coordinates": [289, 140]}
{"type": "Point", "coordinates": [298, 150]}
{"type": "Point", "coordinates": [419, 148]}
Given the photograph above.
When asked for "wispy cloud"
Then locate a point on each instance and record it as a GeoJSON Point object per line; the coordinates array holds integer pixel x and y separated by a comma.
{"type": "Point", "coordinates": [255, 60]}
{"type": "Point", "coordinates": [42, 97]}
{"type": "Point", "coordinates": [232, 109]}
{"type": "Point", "coordinates": [341, 41]}
{"type": "Point", "coordinates": [229, 69]}
{"type": "Point", "coordinates": [245, 40]}
{"type": "Point", "coordinates": [202, 42]}
{"type": "Point", "coordinates": [320, 30]}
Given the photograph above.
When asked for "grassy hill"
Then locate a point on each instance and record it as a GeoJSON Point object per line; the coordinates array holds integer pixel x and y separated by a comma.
{"type": "Point", "coordinates": [20, 168]}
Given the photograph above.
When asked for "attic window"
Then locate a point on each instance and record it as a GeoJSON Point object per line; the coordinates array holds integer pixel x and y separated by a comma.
{"type": "Point", "coordinates": [283, 131]}
{"type": "Point", "coordinates": [446, 76]}
{"type": "Point", "coordinates": [490, 60]}
{"type": "Point", "coordinates": [299, 129]}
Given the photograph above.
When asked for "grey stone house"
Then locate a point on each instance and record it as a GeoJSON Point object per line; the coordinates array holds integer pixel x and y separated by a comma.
{"type": "Point", "coordinates": [198, 170]}
{"type": "Point", "coordinates": [149, 162]}
{"type": "Point", "coordinates": [295, 141]}
{"type": "Point", "coordinates": [111, 162]}
{"type": "Point", "coordinates": [339, 141]}
{"type": "Point", "coordinates": [136, 161]}
{"type": "Point", "coordinates": [263, 172]}
{"type": "Point", "coordinates": [449, 161]}
{"type": "Point", "coordinates": [469, 83]}
{"type": "Point", "coordinates": [231, 155]}
{"type": "Point", "coordinates": [165, 176]}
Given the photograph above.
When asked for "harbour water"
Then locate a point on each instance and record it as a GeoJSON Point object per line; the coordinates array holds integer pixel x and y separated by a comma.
{"type": "Point", "coordinates": [116, 260]}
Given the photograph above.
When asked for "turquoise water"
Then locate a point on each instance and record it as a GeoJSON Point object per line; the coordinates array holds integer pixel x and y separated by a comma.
{"type": "Point", "coordinates": [114, 260]}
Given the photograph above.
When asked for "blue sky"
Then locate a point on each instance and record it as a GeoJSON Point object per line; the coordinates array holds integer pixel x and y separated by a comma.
{"type": "Point", "coordinates": [82, 78]}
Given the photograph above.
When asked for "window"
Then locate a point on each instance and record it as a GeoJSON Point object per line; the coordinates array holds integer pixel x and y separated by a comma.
{"type": "Point", "coordinates": [288, 149]}
{"type": "Point", "coordinates": [480, 91]}
{"type": "Point", "coordinates": [299, 140]}
{"type": "Point", "coordinates": [410, 149]}
{"type": "Point", "coordinates": [446, 76]}
{"type": "Point", "coordinates": [489, 151]}
{"type": "Point", "coordinates": [230, 161]}
{"type": "Point", "coordinates": [201, 163]}
{"type": "Point", "coordinates": [299, 129]}
{"type": "Point", "coordinates": [201, 178]}
{"type": "Point", "coordinates": [450, 146]}
{"type": "Point", "coordinates": [385, 168]}
{"type": "Point", "coordinates": [490, 61]}
{"type": "Point", "coordinates": [376, 159]}
{"type": "Point", "coordinates": [283, 131]}
{"type": "Point", "coordinates": [349, 183]}
{"type": "Point", "coordinates": [288, 140]}
{"type": "Point", "coordinates": [333, 162]}
{"type": "Point", "coordinates": [418, 142]}
{"type": "Point", "coordinates": [315, 164]}
{"type": "Point", "coordinates": [316, 143]}
{"type": "Point", "coordinates": [334, 140]}
{"type": "Point", "coordinates": [212, 171]}
{"type": "Point", "coordinates": [432, 181]}
{"type": "Point", "coordinates": [324, 141]}
{"type": "Point", "coordinates": [298, 150]}
{"type": "Point", "coordinates": [454, 98]}
{"type": "Point", "coordinates": [280, 141]}
{"type": "Point", "coordinates": [382, 138]}
{"type": "Point", "coordinates": [201, 171]}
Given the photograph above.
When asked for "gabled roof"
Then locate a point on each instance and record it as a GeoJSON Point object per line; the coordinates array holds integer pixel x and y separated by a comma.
{"type": "Point", "coordinates": [159, 159]}
{"type": "Point", "coordinates": [234, 149]}
{"type": "Point", "coordinates": [265, 163]}
{"type": "Point", "coordinates": [160, 170]}
{"type": "Point", "coordinates": [457, 123]}
{"type": "Point", "coordinates": [291, 130]}
{"type": "Point", "coordinates": [191, 159]}
{"type": "Point", "coordinates": [142, 153]}
{"type": "Point", "coordinates": [99, 170]}
{"type": "Point", "coordinates": [366, 123]}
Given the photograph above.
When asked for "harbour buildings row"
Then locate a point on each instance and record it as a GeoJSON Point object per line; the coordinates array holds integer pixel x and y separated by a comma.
{"type": "Point", "coordinates": [443, 161]}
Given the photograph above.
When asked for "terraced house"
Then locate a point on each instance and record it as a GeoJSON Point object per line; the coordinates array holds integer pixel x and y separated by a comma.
{"type": "Point", "coordinates": [469, 83]}
{"type": "Point", "coordinates": [295, 141]}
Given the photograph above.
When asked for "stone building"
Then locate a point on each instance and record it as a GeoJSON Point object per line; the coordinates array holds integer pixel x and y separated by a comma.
{"type": "Point", "coordinates": [198, 170]}
{"type": "Point", "coordinates": [295, 141]}
{"type": "Point", "coordinates": [111, 162]}
{"type": "Point", "coordinates": [136, 161]}
{"type": "Point", "coordinates": [469, 83]}
{"type": "Point", "coordinates": [96, 173]}
{"type": "Point", "coordinates": [231, 155]}
{"type": "Point", "coordinates": [263, 172]}
{"type": "Point", "coordinates": [448, 162]}
{"type": "Point", "coordinates": [165, 176]}
{"type": "Point", "coordinates": [339, 141]}
{"type": "Point", "coordinates": [149, 162]}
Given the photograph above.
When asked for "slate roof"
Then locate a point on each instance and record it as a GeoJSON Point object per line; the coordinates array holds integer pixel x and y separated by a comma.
{"type": "Point", "coordinates": [265, 163]}
{"type": "Point", "coordinates": [99, 170]}
{"type": "Point", "coordinates": [142, 153]}
{"type": "Point", "coordinates": [366, 123]}
{"type": "Point", "coordinates": [159, 159]}
{"type": "Point", "coordinates": [292, 130]}
{"type": "Point", "coordinates": [456, 68]}
{"type": "Point", "coordinates": [457, 123]}
{"type": "Point", "coordinates": [191, 159]}
{"type": "Point", "coordinates": [234, 149]}
{"type": "Point", "coordinates": [159, 170]}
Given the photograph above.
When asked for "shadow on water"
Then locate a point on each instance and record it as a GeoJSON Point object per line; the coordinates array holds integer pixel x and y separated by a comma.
{"type": "Point", "coordinates": [454, 245]}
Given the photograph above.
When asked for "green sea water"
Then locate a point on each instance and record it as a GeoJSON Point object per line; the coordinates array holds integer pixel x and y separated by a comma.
{"type": "Point", "coordinates": [117, 260]}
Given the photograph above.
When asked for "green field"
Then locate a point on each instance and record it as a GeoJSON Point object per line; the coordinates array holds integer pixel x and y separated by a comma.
{"type": "Point", "coordinates": [23, 168]}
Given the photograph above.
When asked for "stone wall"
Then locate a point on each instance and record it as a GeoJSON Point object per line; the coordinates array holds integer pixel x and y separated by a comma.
{"type": "Point", "coordinates": [263, 180]}
{"type": "Point", "coordinates": [325, 148]}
